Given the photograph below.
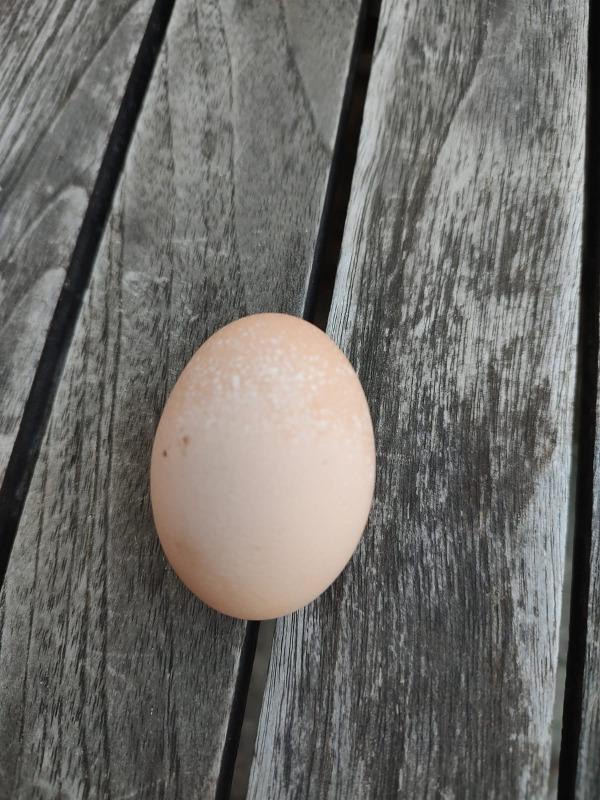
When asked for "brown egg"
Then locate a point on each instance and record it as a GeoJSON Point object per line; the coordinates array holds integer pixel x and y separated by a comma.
{"type": "Point", "coordinates": [263, 467]}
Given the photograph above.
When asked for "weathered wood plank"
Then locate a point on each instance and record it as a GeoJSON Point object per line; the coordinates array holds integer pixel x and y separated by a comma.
{"type": "Point", "coordinates": [63, 71]}
{"type": "Point", "coordinates": [429, 669]}
{"type": "Point", "coordinates": [114, 680]}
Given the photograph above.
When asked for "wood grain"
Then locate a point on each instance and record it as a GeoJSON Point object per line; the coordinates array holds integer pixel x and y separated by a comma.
{"type": "Point", "coordinates": [428, 670]}
{"type": "Point", "coordinates": [114, 681]}
{"type": "Point", "coordinates": [63, 71]}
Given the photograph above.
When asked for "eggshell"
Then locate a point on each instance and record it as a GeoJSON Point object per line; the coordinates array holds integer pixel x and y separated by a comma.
{"type": "Point", "coordinates": [263, 467]}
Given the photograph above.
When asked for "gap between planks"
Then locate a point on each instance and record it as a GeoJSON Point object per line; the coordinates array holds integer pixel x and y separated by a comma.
{"type": "Point", "coordinates": [238, 759]}
{"type": "Point", "coordinates": [38, 407]}
{"type": "Point", "coordinates": [585, 432]}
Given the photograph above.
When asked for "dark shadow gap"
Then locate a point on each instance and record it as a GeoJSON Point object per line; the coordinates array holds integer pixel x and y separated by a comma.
{"type": "Point", "coordinates": [237, 761]}
{"type": "Point", "coordinates": [337, 196]}
{"type": "Point", "coordinates": [48, 374]}
{"type": "Point", "coordinates": [588, 349]}
{"type": "Point", "coordinates": [239, 766]}
{"type": "Point", "coordinates": [235, 725]}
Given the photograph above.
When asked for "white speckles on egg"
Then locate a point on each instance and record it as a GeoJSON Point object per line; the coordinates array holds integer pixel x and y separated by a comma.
{"type": "Point", "coordinates": [263, 467]}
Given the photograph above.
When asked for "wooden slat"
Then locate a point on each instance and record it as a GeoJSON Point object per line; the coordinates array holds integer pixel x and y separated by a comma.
{"type": "Point", "coordinates": [114, 681]}
{"type": "Point", "coordinates": [429, 669]}
{"type": "Point", "coordinates": [63, 70]}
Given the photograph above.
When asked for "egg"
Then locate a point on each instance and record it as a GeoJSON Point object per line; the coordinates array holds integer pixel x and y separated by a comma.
{"type": "Point", "coordinates": [263, 467]}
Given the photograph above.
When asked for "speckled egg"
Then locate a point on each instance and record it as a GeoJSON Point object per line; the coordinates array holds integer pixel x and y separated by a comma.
{"type": "Point", "coordinates": [263, 467]}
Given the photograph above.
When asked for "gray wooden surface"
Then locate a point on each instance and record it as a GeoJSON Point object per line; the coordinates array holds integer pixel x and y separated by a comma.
{"type": "Point", "coordinates": [114, 681]}
{"type": "Point", "coordinates": [429, 669]}
{"type": "Point", "coordinates": [63, 70]}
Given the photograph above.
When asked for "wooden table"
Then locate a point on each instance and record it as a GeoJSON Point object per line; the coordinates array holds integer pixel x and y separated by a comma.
{"type": "Point", "coordinates": [168, 167]}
